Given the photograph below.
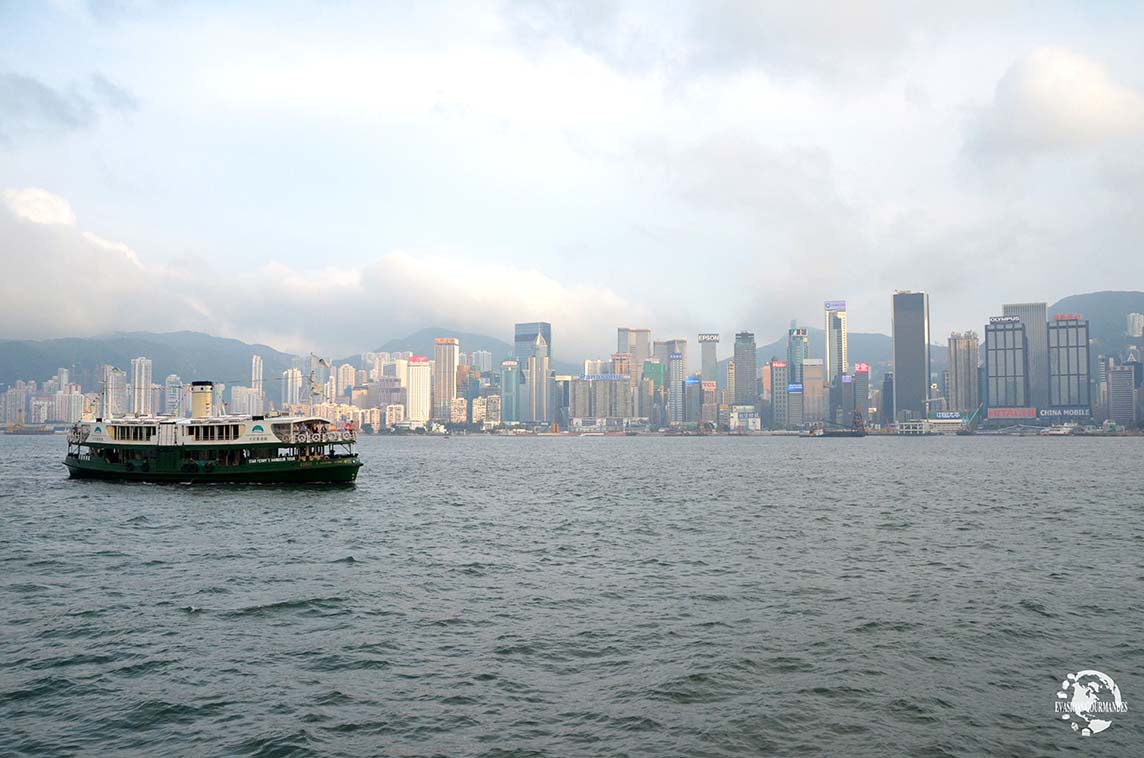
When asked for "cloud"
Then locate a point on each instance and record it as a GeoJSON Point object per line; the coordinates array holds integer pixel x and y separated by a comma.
{"type": "Point", "coordinates": [115, 247]}
{"type": "Point", "coordinates": [28, 106]}
{"type": "Point", "coordinates": [39, 206]}
{"type": "Point", "coordinates": [333, 309]}
{"type": "Point", "coordinates": [112, 95]}
{"type": "Point", "coordinates": [817, 38]}
{"type": "Point", "coordinates": [1054, 100]}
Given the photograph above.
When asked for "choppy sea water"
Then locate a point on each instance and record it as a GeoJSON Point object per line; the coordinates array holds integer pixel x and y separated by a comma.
{"type": "Point", "coordinates": [584, 596]}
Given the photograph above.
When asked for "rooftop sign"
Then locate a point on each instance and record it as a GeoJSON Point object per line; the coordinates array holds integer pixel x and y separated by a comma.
{"type": "Point", "coordinates": [861, 368]}
{"type": "Point", "coordinates": [1004, 319]}
{"type": "Point", "coordinates": [1068, 317]}
{"type": "Point", "coordinates": [708, 337]}
{"type": "Point", "coordinates": [834, 305]}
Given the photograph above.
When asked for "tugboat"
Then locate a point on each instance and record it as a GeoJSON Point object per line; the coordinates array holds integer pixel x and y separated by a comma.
{"type": "Point", "coordinates": [206, 448]}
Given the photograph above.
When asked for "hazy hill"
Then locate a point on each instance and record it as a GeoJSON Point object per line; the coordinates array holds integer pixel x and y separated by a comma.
{"type": "Point", "coordinates": [1106, 313]}
{"type": "Point", "coordinates": [191, 355]}
{"type": "Point", "coordinates": [863, 347]}
{"type": "Point", "coordinates": [421, 343]}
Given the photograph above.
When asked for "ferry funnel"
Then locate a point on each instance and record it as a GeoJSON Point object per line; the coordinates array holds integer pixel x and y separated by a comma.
{"type": "Point", "coordinates": [201, 394]}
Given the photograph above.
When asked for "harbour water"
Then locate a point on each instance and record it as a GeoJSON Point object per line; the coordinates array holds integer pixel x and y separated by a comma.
{"type": "Point", "coordinates": [580, 596]}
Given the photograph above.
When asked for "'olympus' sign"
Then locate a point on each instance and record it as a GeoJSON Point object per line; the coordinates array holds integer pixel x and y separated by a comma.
{"type": "Point", "coordinates": [1004, 319]}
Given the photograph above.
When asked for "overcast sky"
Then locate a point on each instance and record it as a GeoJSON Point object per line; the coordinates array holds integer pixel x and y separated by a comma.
{"type": "Point", "coordinates": [327, 175]}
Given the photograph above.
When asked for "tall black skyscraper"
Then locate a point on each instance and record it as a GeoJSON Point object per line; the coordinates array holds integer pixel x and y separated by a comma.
{"type": "Point", "coordinates": [911, 355]}
{"type": "Point", "coordinates": [1006, 363]}
{"type": "Point", "coordinates": [746, 370]}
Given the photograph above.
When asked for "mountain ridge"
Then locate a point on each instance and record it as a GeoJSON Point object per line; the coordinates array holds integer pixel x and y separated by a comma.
{"type": "Point", "coordinates": [197, 355]}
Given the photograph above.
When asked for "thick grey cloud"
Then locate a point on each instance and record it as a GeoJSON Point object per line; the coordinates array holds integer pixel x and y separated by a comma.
{"type": "Point", "coordinates": [1054, 101]}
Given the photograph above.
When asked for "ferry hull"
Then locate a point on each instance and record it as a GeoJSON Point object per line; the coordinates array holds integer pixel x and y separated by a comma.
{"type": "Point", "coordinates": [340, 470]}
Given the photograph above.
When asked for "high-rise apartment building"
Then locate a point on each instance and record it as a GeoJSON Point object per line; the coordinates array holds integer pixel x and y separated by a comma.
{"type": "Point", "coordinates": [292, 392]}
{"type": "Point", "coordinates": [141, 386]}
{"type": "Point", "coordinates": [446, 354]}
{"type": "Point", "coordinates": [964, 352]}
{"type": "Point", "coordinates": [1135, 325]}
{"type": "Point", "coordinates": [708, 357]}
{"type": "Point", "coordinates": [172, 395]}
{"type": "Point", "coordinates": [746, 369]}
{"type": "Point", "coordinates": [1006, 363]}
{"type": "Point", "coordinates": [798, 350]}
{"type": "Point", "coordinates": [1034, 317]}
{"type": "Point", "coordinates": [256, 374]}
{"type": "Point", "coordinates": [837, 358]}
{"type": "Point", "coordinates": [419, 389]}
{"type": "Point", "coordinates": [911, 351]}
{"type": "Point", "coordinates": [483, 360]}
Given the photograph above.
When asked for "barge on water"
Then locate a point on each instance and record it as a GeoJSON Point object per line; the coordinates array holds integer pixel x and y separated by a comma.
{"type": "Point", "coordinates": [206, 448]}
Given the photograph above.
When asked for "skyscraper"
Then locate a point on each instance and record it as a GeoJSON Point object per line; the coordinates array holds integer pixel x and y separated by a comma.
{"type": "Point", "coordinates": [446, 351]}
{"type": "Point", "coordinates": [780, 385]}
{"type": "Point", "coordinates": [837, 352]}
{"type": "Point", "coordinates": [911, 351]}
{"type": "Point", "coordinates": [1069, 388]}
{"type": "Point", "coordinates": [964, 350]}
{"type": "Point", "coordinates": [1006, 363]}
{"type": "Point", "coordinates": [172, 394]}
{"type": "Point", "coordinates": [861, 391]}
{"type": "Point", "coordinates": [746, 369]}
{"type": "Point", "coordinates": [483, 360]}
{"type": "Point", "coordinates": [510, 392]}
{"type": "Point", "coordinates": [419, 387]}
{"type": "Point", "coordinates": [256, 379]}
{"type": "Point", "coordinates": [534, 405]}
{"type": "Point", "coordinates": [343, 382]}
{"type": "Point", "coordinates": [1033, 316]}
{"type": "Point", "coordinates": [1122, 395]}
{"type": "Point", "coordinates": [524, 340]}
{"type": "Point", "coordinates": [292, 386]}
{"type": "Point", "coordinates": [708, 357]}
{"type": "Point", "coordinates": [141, 386]}
{"type": "Point", "coordinates": [675, 391]}
{"type": "Point", "coordinates": [798, 350]}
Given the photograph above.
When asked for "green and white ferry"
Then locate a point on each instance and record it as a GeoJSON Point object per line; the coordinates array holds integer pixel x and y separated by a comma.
{"type": "Point", "coordinates": [207, 448]}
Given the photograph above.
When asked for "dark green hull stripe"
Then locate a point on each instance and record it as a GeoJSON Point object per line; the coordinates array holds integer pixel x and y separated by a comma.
{"type": "Point", "coordinates": [332, 471]}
